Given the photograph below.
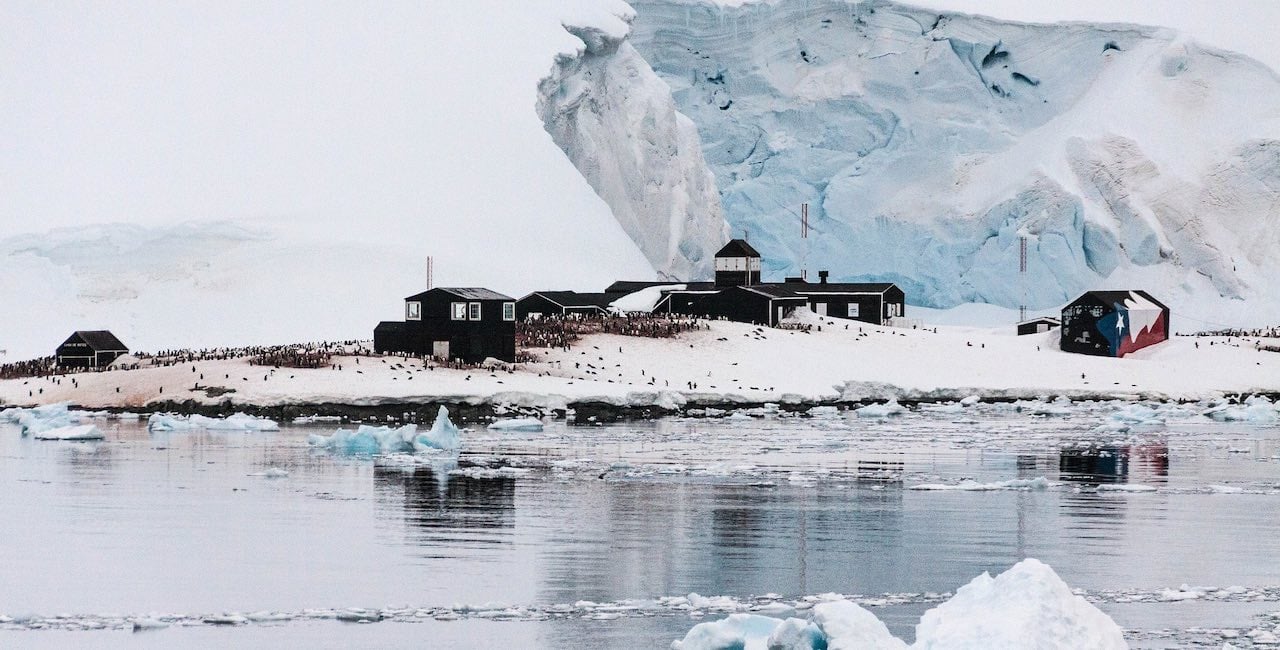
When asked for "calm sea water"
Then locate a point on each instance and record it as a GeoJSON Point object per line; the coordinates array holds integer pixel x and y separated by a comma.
{"type": "Point", "coordinates": [178, 524]}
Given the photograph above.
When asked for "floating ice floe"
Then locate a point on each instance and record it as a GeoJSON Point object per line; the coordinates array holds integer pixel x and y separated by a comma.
{"type": "Point", "coordinates": [1038, 483]}
{"type": "Point", "coordinates": [891, 407]}
{"type": "Point", "coordinates": [369, 440]}
{"type": "Point", "coordinates": [517, 424]}
{"type": "Point", "coordinates": [41, 418]}
{"type": "Point", "coordinates": [1255, 409]}
{"type": "Point", "coordinates": [75, 432]}
{"type": "Point", "coordinates": [1028, 606]}
{"type": "Point", "coordinates": [273, 472]}
{"type": "Point", "coordinates": [237, 422]}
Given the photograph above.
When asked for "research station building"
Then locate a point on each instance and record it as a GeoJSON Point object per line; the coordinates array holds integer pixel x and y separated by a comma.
{"type": "Point", "coordinates": [739, 294]}
{"type": "Point", "coordinates": [90, 349]}
{"type": "Point", "coordinates": [1113, 323]}
{"type": "Point", "coordinates": [468, 324]}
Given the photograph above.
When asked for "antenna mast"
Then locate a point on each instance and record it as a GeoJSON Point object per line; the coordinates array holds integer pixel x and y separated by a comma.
{"type": "Point", "coordinates": [430, 273]}
{"type": "Point", "coordinates": [804, 237]}
{"type": "Point", "coordinates": [1022, 274]}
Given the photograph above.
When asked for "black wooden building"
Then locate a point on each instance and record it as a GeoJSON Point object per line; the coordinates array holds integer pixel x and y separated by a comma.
{"type": "Point", "coordinates": [1113, 323]}
{"type": "Point", "coordinates": [739, 294]}
{"type": "Point", "coordinates": [90, 349]}
{"type": "Point", "coordinates": [763, 304]}
{"type": "Point", "coordinates": [546, 303]}
{"type": "Point", "coordinates": [470, 324]}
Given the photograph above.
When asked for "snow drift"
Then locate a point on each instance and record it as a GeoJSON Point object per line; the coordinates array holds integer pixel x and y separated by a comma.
{"type": "Point", "coordinates": [927, 143]}
{"type": "Point", "coordinates": [1027, 606]}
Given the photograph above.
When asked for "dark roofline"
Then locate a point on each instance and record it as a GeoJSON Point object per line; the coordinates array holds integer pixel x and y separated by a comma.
{"type": "Point", "coordinates": [455, 291]}
{"type": "Point", "coordinates": [737, 248]}
{"type": "Point", "coordinates": [99, 340]}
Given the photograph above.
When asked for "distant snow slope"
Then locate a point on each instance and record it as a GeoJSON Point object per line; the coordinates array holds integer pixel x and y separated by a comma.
{"type": "Point", "coordinates": [344, 144]}
{"type": "Point", "coordinates": [926, 142]}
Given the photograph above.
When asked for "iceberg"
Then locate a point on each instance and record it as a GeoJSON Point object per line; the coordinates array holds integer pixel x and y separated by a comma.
{"type": "Point", "coordinates": [369, 440]}
{"type": "Point", "coordinates": [443, 436]}
{"type": "Point", "coordinates": [74, 432]}
{"type": "Point", "coordinates": [1027, 606]}
{"type": "Point", "coordinates": [40, 418]}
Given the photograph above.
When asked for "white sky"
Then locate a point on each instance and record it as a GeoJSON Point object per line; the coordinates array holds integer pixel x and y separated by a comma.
{"type": "Point", "coordinates": [1245, 26]}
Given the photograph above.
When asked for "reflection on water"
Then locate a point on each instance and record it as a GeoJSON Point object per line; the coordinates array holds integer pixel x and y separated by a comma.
{"type": "Point", "coordinates": [179, 523]}
{"type": "Point", "coordinates": [439, 506]}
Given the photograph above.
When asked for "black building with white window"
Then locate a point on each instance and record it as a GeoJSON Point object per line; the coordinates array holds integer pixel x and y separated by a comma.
{"type": "Point", "coordinates": [738, 294]}
{"type": "Point", "coordinates": [90, 349]}
{"type": "Point", "coordinates": [470, 324]}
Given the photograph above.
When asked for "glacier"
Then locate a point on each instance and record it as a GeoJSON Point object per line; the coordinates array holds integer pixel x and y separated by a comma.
{"type": "Point", "coordinates": [927, 143]}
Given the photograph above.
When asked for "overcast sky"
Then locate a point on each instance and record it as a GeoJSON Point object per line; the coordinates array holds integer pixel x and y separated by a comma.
{"type": "Point", "coordinates": [1246, 26]}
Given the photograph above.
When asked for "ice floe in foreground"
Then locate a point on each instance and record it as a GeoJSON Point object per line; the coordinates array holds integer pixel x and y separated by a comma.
{"type": "Point", "coordinates": [237, 422]}
{"type": "Point", "coordinates": [369, 440]}
{"type": "Point", "coordinates": [1028, 606]}
{"type": "Point", "coordinates": [517, 424]}
{"type": "Point", "coordinates": [74, 432]}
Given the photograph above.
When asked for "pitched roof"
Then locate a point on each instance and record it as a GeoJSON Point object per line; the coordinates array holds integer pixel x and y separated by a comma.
{"type": "Point", "coordinates": [1113, 297]}
{"type": "Point", "coordinates": [777, 291]}
{"type": "Point", "coordinates": [575, 299]}
{"type": "Point", "coordinates": [738, 248]}
{"type": "Point", "coordinates": [99, 340]}
{"type": "Point", "coordinates": [466, 293]}
{"type": "Point", "coordinates": [842, 287]}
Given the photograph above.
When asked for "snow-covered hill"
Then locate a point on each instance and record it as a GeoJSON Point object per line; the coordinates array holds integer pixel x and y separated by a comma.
{"type": "Point", "coordinates": [927, 142]}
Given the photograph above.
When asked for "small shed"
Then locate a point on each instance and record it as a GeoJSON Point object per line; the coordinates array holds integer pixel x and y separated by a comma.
{"type": "Point", "coordinates": [1113, 323]}
{"type": "Point", "coordinates": [467, 323]}
{"type": "Point", "coordinates": [546, 303]}
{"type": "Point", "coordinates": [1037, 325]}
{"type": "Point", "coordinates": [90, 349]}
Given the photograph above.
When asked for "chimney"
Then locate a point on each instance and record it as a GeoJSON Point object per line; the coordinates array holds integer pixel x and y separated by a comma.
{"type": "Point", "coordinates": [822, 277]}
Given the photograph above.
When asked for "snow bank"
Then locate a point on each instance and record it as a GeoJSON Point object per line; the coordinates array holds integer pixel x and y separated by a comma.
{"type": "Point", "coordinates": [40, 418]}
{"type": "Point", "coordinates": [236, 422]}
{"type": "Point", "coordinates": [75, 432]}
{"type": "Point", "coordinates": [368, 440]}
{"type": "Point", "coordinates": [517, 424]}
{"type": "Point", "coordinates": [643, 300]}
{"type": "Point", "coordinates": [1027, 606]}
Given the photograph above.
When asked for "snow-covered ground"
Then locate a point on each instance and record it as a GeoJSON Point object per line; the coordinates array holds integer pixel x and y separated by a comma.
{"type": "Point", "coordinates": [730, 362]}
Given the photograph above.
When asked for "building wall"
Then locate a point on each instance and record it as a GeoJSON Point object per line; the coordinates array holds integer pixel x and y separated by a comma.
{"type": "Point", "coordinates": [470, 340]}
{"type": "Point", "coordinates": [536, 304]}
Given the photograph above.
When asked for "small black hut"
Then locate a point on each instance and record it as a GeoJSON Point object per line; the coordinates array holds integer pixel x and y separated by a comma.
{"type": "Point", "coordinates": [470, 324]}
{"type": "Point", "coordinates": [546, 303]}
{"type": "Point", "coordinates": [90, 349]}
{"type": "Point", "coordinates": [1037, 325]}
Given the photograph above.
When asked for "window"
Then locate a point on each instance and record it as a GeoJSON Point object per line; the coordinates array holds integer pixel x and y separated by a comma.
{"type": "Point", "coordinates": [459, 310]}
{"type": "Point", "coordinates": [854, 309]}
{"type": "Point", "coordinates": [475, 311]}
{"type": "Point", "coordinates": [412, 310]}
{"type": "Point", "coordinates": [508, 311]}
